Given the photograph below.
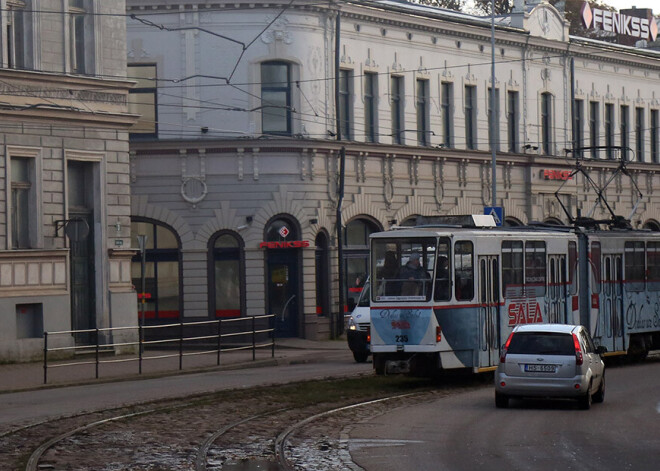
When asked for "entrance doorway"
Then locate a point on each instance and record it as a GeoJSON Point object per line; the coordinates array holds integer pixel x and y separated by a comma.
{"type": "Point", "coordinates": [283, 299]}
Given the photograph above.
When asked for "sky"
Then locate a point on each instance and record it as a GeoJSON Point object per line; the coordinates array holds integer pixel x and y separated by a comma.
{"type": "Point", "coordinates": [624, 4]}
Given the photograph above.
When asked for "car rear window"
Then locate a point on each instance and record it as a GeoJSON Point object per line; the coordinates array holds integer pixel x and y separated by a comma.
{"type": "Point", "coordinates": [546, 343]}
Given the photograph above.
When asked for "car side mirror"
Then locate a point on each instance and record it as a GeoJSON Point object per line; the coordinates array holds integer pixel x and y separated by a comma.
{"type": "Point", "coordinates": [601, 349]}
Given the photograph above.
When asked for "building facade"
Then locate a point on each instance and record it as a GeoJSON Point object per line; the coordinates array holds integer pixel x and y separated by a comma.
{"type": "Point", "coordinates": [247, 109]}
{"type": "Point", "coordinates": [65, 200]}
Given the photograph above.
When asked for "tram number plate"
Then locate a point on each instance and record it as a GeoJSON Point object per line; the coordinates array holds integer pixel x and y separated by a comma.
{"type": "Point", "coordinates": [540, 368]}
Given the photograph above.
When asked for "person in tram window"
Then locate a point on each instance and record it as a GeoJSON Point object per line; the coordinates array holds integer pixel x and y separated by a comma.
{"type": "Point", "coordinates": [413, 277]}
{"type": "Point", "coordinates": [442, 279]}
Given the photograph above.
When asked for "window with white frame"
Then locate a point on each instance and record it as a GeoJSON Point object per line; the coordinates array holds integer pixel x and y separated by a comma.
{"type": "Point", "coordinates": [15, 37]}
{"type": "Point", "coordinates": [397, 109]}
{"type": "Point", "coordinates": [423, 128]}
{"type": "Point", "coordinates": [370, 106]}
{"type": "Point", "coordinates": [512, 117]}
{"type": "Point", "coordinates": [546, 123]}
{"type": "Point", "coordinates": [655, 136]}
{"type": "Point", "coordinates": [447, 114]}
{"type": "Point", "coordinates": [470, 116]}
{"type": "Point", "coordinates": [276, 98]}
{"type": "Point", "coordinates": [77, 19]}
{"type": "Point", "coordinates": [639, 133]}
{"type": "Point", "coordinates": [494, 125]}
{"type": "Point", "coordinates": [594, 127]}
{"type": "Point", "coordinates": [23, 203]}
{"type": "Point", "coordinates": [624, 129]}
{"type": "Point", "coordinates": [579, 127]}
{"type": "Point", "coordinates": [345, 103]}
{"type": "Point", "coordinates": [609, 130]}
{"type": "Point", "coordinates": [142, 100]}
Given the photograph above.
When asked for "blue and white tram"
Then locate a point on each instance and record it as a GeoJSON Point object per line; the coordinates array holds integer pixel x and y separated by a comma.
{"type": "Point", "coordinates": [448, 297]}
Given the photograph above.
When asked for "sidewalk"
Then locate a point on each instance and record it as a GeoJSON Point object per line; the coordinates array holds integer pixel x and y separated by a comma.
{"type": "Point", "coordinates": [26, 376]}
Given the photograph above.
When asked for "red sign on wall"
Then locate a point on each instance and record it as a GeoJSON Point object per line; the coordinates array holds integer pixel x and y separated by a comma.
{"type": "Point", "coordinates": [290, 244]}
{"type": "Point", "coordinates": [549, 174]}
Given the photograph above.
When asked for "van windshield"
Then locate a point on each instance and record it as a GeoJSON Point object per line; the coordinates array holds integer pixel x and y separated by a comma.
{"type": "Point", "coordinates": [364, 295]}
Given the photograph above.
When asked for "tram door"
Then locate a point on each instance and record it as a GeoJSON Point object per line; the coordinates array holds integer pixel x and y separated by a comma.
{"type": "Point", "coordinates": [610, 319]}
{"type": "Point", "coordinates": [489, 310]}
{"type": "Point", "coordinates": [556, 294]}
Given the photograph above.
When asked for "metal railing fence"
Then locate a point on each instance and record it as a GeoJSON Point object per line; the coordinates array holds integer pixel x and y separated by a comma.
{"type": "Point", "coordinates": [218, 339]}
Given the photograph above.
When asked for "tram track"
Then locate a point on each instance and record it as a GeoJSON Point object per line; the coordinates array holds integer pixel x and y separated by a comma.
{"type": "Point", "coordinates": [210, 432]}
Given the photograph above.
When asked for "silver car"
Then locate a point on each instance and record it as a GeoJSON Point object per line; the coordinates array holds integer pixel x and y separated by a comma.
{"type": "Point", "coordinates": [550, 360]}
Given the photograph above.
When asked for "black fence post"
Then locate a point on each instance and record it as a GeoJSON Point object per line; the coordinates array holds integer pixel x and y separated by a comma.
{"type": "Point", "coordinates": [180, 345]}
{"type": "Point", "coordinates": [272, 336]}
{"type": "Point", "coordinates": [219, 339]}
{"type": "Point", "coordinates": [140, 336]}
{"type": "Point", "coordinates": [97, 353]}
{"type": "Point", "coordinates": [254, 340]}
{"type": "Point", "coordinates": [45, 357]}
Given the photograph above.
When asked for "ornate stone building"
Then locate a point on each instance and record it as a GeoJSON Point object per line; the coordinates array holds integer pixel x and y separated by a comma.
{"type": "Point", "coordinates": [235, 167]}
{"type": "Point", "coordinates": [65, 200]}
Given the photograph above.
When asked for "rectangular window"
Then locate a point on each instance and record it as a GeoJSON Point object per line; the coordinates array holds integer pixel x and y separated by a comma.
{"type": "Point", "coordinates": [624, 130]}
{"type": "Point", "coordinates": [609, 129]}
{"type": "Point", "coordinates": [29, 321]}
{"type": "Point", "coordinates": [546, 123]}
{"type": "Point", "coordinates": [142, 100]}
{"type": "Point", "coordinates": [655, 136]}
{"type": "Point", "coordinates": [397, 109]}
{"type": "Point", "coordinates": [639, 133]}
{"type": "Point", "coordinates": [579, 127]}
{"type": "Point", "coordinates": [15, 40]}
{"type": "Point", "coordinates": [447, 114]}
{"type": "Point", "coordinates": [653, 265]}
{"type": "Point", "coordinates": [345, 103]}
{"type": "Point", "coordinates": [370, 106]}
{"type": "Point", "coordinates": [535, 266]}
{"type": "Point", "coordinates": [21, 196]}
{"type": "Point", "coordinates": [464, 270]}
{"type": "Point", "coordinates": [470, 117]}
{"type": "Point", "coordinates": [275, 98]}
{"type": "Point", "coordinates": [594, 258]}
{"type": "Point", "coordinates": [512, 268]}
{"type": "Point", "coordinates": [572, 267]}
{"type": "Point", "coordinates": [423, 129]}
{"type": "Point", "coordinates": [513, 111]}
{"type": "Point", "coordinates": [494, 133]}
{"type": "Point", "coordinates": [594, 125]}
{"type": "Point", "coordinates": [634, 266]}
{"type": "Point", "coordinates": [77, 35]}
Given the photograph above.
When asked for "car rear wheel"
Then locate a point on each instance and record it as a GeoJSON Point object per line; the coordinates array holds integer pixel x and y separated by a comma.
{"type": "Point", "coordinates": [360, 357]}
{"type": "Point", "coordinates": [600, 394]}
{"type": "Point", "coordinates": [584, 402]}
{"type": "Point", "coordinates": [501, 401]}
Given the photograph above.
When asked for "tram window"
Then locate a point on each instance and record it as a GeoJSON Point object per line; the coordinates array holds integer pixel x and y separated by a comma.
{"type": "Point", "coordinates": [464, 270]}
{"type": "Point", "coordinates": [572, 267]}
{"type": "Point", "coordinates": [403, 268]}
{"type": "Point", "coordinates": [595, 264]}
{"type": "Point", "coordinates": [535, 266]}
{"type": "Point", "coordinates": [512, 267]}
{"type": "Point", "coordinates": [634, 266]}
{"type": "Point", "coordinates": [653, 264]}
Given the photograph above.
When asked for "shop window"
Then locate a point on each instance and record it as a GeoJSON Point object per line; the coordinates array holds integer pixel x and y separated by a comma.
{"type": "Point", "coordinates": [162, 280]}
{"type": "Point", "coordinates": [29, 321]}
{"type": "Point", "coordinates": [227, 276]}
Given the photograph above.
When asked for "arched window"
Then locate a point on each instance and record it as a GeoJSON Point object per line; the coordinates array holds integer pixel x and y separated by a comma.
{"type": "Point", "coordinates": [226, 276]}
{"type": "Point", "coordinates": [162, 287]}
{"type": "Point", "coordinates": [356, 256]}
{"type": "Point", "coordinates": [512, 222]}
{"type": "Point", "coordinates": [652, 225]}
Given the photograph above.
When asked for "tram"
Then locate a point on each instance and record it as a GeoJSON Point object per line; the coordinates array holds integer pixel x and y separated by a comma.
{"type": "Point", "coordinates": [446, 296]}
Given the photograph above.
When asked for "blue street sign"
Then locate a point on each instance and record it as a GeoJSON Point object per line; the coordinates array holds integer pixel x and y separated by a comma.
{"type": "Point", "coordinates": [497, 212]}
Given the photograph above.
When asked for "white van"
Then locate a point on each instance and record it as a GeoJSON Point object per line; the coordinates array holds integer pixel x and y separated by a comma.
{"type": "Point", "coordinates": [358, 330]}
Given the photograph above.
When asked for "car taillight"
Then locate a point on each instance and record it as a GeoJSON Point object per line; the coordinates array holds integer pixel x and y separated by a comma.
{"type": "Point", "coordinates": [369, 334]}
{"type": "Point", "coordinates": [438, 334]}
{"type": "Point", "coordinates": [578, 351]}
{"type": "Point", "coordinates": [506, 347]}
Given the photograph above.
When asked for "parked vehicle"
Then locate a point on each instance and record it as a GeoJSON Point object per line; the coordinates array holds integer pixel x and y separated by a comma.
{"type": "Point", "coordinates": [550, 360]}
{"type": "Point", "coordinates": [358, 331]}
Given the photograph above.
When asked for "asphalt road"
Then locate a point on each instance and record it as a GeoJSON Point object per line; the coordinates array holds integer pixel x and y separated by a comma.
{"type": "Point", "coordinates": [466, 431]}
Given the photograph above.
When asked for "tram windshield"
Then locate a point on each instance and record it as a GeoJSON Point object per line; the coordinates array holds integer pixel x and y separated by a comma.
{"type": "Point", "coordinates": [403, 269]}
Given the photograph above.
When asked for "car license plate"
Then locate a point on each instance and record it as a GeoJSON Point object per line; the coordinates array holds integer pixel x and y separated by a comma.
{"type": "Point", "coordinates": [540, 368]}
